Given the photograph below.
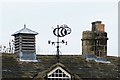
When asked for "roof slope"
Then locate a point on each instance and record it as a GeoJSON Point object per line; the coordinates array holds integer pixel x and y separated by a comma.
{"type": "Point", "coordinates": [25, 31]}
{"type": "Point", "coordinates": [11, 68]}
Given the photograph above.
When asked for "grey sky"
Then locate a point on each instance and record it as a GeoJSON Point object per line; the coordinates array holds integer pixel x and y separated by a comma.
{"type": "Point", "coordinates": [42, 16]}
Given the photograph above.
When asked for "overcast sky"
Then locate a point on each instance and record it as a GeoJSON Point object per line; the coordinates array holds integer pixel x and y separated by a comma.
{"type": "Point", "coordinates": [42, 16]}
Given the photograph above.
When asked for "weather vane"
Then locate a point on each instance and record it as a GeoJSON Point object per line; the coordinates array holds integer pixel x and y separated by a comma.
{"type": "Point", "coordinates": [61, 31]}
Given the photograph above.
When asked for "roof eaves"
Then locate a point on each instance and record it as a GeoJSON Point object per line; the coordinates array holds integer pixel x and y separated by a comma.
{"type": "Point", "coordinates": [25, 31]}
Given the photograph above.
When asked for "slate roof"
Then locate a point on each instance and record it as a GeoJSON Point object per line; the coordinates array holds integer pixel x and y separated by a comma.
{"type": "Point", "coordinates": [25, 31]}
{"type": "Point", "coordinates": [11, 68]}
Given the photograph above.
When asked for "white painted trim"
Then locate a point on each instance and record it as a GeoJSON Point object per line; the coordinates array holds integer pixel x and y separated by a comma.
{"type": "Point", "coordinates": [51, 72]}
{"type": "Point", "coordinates": [59, 77]}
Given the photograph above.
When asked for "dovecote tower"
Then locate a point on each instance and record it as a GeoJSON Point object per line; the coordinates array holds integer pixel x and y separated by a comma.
{"type": "Point", "coordinates": [25, 44]}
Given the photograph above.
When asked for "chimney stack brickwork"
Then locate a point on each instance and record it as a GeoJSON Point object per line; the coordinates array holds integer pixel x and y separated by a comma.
{"type": "Point", "coordinates": [95, 41]}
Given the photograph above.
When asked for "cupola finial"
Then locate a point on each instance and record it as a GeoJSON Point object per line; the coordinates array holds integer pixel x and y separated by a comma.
{"type": "Point", "coordinates": [24, 25]}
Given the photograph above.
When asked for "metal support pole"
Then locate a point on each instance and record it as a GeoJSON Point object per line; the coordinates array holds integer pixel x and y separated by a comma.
{"type": "Point", "coordinates": [58, 43]}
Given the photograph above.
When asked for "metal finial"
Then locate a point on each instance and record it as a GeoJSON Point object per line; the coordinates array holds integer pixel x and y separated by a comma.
{"type": "Point", "coordinates": [24, 25]}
